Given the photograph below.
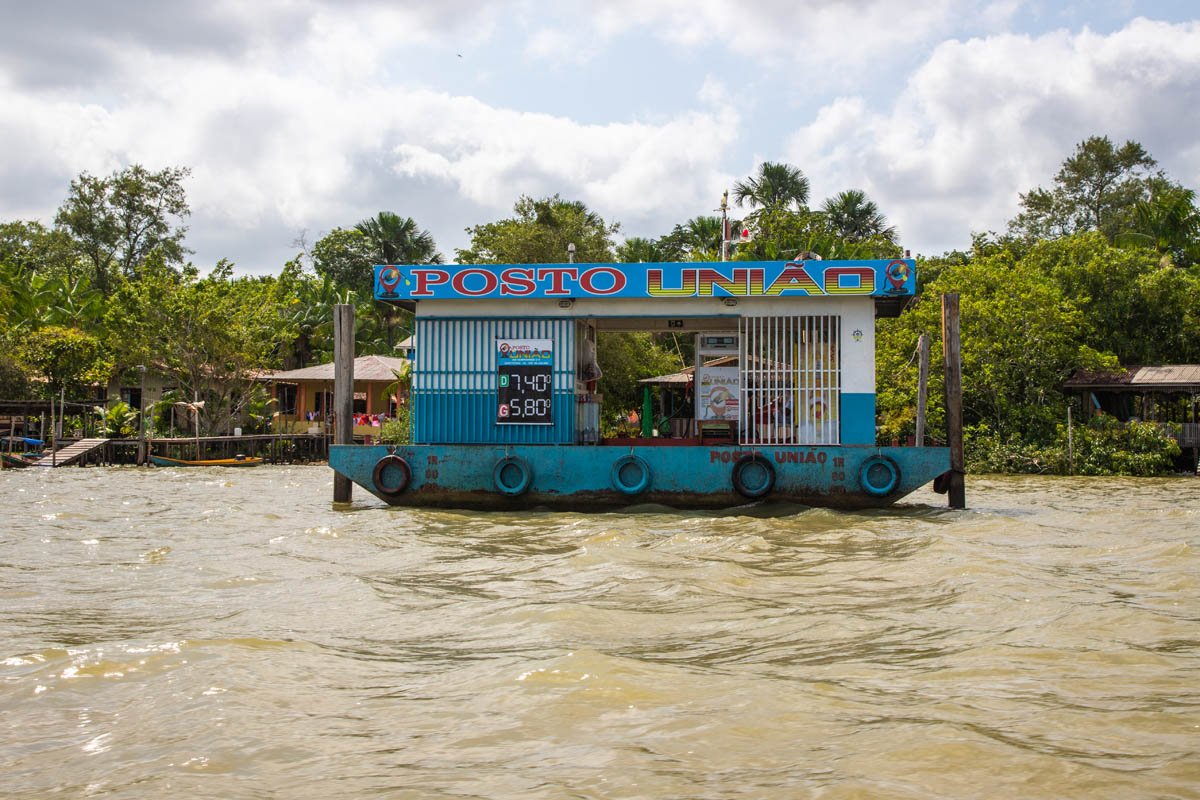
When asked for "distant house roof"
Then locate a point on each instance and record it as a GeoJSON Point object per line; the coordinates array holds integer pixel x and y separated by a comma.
{"type": "Point", "coordinates": [1177, 377]}
{"type": "Point", "coordinates": [685, 376]}
{"type": "Point", "coordinates": [366, 368]}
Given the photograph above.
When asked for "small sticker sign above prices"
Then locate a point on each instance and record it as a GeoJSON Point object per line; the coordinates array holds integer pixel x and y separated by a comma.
{"type": "Point", "coordinates": [525, 381]}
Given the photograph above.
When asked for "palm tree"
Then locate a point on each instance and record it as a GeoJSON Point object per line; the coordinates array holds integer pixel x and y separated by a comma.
{"type": "Point", "coordinates": [854, 217]}
{"type": "Point", "coordinates": [398, 240]}
{"type": "Point", "coordinates": [776, 186]}
{"type": "Point", "coordinates": [639, 249]}
{"type": "Point", "coordinates": [698, 239]}
{"type": "Point", "coordinates": [1170, 223]}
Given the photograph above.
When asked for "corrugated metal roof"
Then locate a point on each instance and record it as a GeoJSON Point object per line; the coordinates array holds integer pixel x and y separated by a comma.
{"type": "Point", "coordinates": [366, 368]}
{"type": "Point", "coordinates": [1169, 376]}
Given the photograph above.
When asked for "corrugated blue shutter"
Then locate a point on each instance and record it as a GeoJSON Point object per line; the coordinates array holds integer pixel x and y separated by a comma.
{"type": "Point", "coordinates": [454, 381]}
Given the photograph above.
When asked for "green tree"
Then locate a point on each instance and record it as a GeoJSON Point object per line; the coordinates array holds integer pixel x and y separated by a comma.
{"type": "Point", "coordinates": [1169, 222]}
{"type": "Point", "coordinates": [855, 218]}
{"type": "Point", "coordinates": [68, 359]}
{"type": "Point", "coordinates": [1020, 340]}
{"type": "Point", "coordinates": [781, 234]}
{"type": "Point", "coordinates": [345, 257]}
{"type": "Point", "coordinates": [626, 358]}
{"type": "Point", "coordinates": [539, 233]}
{"type": "Point", "coordinates": [1096, 188]}
{"type": "Point", "coordinates": [397, 240]}
{"type": "Point", "coordinates": [120, 220]}
{"type": "Point", "coordinates": [698, 239]}
{"type": "Point", "coordinates": [14, 379]}
{"type": "Point", "coordinates": [32, 247]}
{"type": "Point", "coordinates": [774, 187]}
{"type": "Point", "coordinates": [636, 249]}
{"type": "Point", "coordinates": [1131, 304]}
{"type": "Point", "coordinates": [29, 300]}
{"type": "Point", "coordinates": [211, 334]}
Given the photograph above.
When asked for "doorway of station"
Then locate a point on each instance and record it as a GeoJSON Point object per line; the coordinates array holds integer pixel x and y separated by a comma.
{"type": "Point", "coordinates": [647, 368]}
{"type": "Point", "coordinates": [755, 380]}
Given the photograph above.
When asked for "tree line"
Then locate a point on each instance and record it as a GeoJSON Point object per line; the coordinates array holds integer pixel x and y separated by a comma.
{"type": "Point", "coordinates": [1096, 270]}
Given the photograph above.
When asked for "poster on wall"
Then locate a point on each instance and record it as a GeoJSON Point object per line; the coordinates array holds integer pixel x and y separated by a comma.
{"type": "Point", "coordinates": [525, 381]}
{"type": "Point", "coordinates": [718, 393]}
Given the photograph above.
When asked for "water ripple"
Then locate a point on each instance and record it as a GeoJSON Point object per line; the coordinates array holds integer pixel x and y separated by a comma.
{"type": "Point", "coordinates": [199, 633]}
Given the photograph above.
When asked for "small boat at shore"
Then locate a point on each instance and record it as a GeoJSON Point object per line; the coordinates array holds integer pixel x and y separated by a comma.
{"type": "Point", "coordinates": [26, 457]}
{"type": "Point", "coordinates": [238, 461]}
{"type": "Point", "coordinates": [17, 460]}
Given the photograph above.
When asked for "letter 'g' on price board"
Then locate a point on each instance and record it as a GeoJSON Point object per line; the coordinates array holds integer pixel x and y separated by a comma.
{"type": "Point", "coordinates": [525, 381]}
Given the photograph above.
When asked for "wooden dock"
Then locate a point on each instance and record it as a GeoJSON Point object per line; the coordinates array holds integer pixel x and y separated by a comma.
{"type": "Point", "coordinates": [272, 448]}
{"type": "Point", "coordinates": [71, 453]}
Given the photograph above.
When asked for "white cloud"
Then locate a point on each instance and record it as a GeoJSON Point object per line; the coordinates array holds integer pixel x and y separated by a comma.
{"type": "Point", "coordinates": [815, 35]}
{"type": "Point", "coordinates": [560, 46]}
{"type": "Point", "coordinates": [985, 119]}
{"type": "Point", "coordinates": [630, 169]}
{"type": "Point", "coordinates": [306, 126]}
{"type": "Point", "coordinates": [311, 136]}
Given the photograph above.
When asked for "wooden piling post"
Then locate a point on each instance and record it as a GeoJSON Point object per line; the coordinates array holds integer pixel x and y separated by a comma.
{"type": "Point", "coordinates": [956, 485]}
{"type": "Point", "coordinates": [922, 386]}
{"type": "Point", "coordinates": [343, 391]}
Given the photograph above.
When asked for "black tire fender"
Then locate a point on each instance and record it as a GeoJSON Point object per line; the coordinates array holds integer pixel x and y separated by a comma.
{"type": "Point", "coordinates": [382, 477]}
{"type": "Point", "coordinates": [753, 477]}
{"type": "Point", "coordinates": [512, 476]}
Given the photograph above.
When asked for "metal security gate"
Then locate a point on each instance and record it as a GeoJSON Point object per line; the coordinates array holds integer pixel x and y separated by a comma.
{"type": "Point", "coordinates": [791, 380]}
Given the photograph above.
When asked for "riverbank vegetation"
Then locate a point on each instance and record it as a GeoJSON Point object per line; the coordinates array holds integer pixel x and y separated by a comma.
{"type": "Point", "coordinates": [1100, 269]}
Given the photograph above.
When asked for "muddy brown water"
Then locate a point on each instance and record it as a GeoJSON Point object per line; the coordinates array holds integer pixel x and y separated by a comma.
{"type": "Point", "coordinates": [205, 633]}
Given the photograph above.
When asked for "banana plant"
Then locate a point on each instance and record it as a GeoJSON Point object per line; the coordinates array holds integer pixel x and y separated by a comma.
{"type": "Point", "coordinates": [118, 421]}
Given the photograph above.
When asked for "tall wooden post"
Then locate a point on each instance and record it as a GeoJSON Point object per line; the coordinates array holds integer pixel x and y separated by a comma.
{"type": "Point", "coordinates": [922, 386]}
{"type": "Point", "coordinates": [956, 485]}
{"type": "Point", "coordinates": [343, 391]}
{"type": "Point", "coordinates": [1070, 439]}
{"type": "Point", "coordinates": [53, 439]}
{"type": "Point", "coordinates": [142, 460]}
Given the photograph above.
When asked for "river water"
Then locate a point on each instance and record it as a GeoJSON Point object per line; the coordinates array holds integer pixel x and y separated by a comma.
{"type": "Point", "coordinates": [225, 634]}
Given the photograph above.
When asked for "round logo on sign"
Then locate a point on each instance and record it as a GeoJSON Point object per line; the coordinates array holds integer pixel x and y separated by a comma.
{"type": "Point", "coordinates": [389, 278]}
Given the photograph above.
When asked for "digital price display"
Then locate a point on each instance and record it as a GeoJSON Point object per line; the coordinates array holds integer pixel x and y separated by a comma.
{"type": "Point", "coordinates": [525, 381]}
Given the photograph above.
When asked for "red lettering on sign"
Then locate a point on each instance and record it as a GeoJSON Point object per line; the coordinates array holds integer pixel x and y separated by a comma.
{"type": "Point", "coordinates": [518, 282]}
{"type": "Point", "coordinates": [557, 276]}
{"type": "Point", "coordinates": [427, 278]}
{"type": "Point", "coordinates": [489, 282]}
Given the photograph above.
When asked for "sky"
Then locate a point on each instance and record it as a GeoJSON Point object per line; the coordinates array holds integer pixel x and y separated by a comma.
{"type": "Point", "coordinates": [299, 116]}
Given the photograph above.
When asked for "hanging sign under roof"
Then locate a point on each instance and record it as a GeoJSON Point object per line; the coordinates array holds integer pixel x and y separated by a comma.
{"type": "Point", "coordinates": [866, 278]}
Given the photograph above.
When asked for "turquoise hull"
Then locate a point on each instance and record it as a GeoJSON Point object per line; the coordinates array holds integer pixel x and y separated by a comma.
{"type": "Point", "coordinates": [583, 477]}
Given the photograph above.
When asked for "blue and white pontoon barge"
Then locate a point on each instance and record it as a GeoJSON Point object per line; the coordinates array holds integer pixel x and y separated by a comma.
{"type": "Point", "coordinates": [781, 403]}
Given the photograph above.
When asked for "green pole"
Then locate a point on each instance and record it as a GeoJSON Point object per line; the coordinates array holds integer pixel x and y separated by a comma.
{"type": "Point", "coordinates": [647, 413]}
